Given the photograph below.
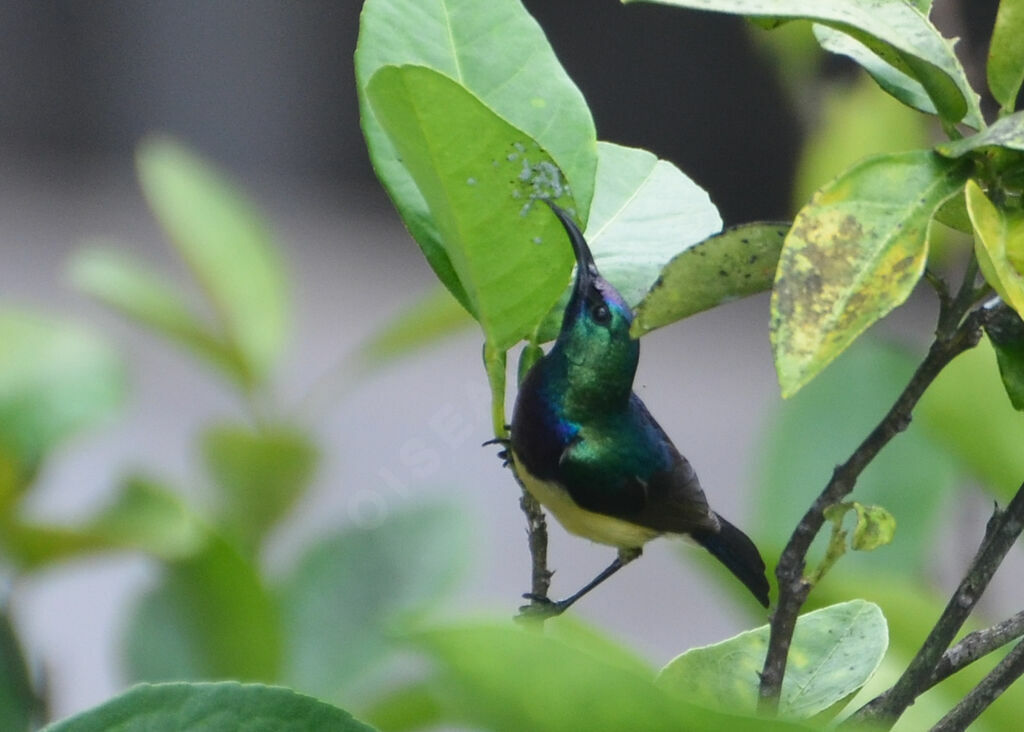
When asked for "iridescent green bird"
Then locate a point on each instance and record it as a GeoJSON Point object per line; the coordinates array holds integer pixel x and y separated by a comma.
{"type": "Point", "coordinates": [589, 451]}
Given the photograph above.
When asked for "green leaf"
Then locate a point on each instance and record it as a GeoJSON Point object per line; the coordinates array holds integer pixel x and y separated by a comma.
{"type": "Point", "coordinates": [1006, 54]}
{"type": "Point", "coordinates": [896, 31]}
{"type": "Point", "coordinates": [340, 602]}
{"type": "Point", "coordinates": [479, 175]}
{"type": "Point", "coordinates": [500, 677]}
{"type": "Point", "coordinates": [896, 83]}
{"type": "Point", "coordinates": [209, 618]}
{"type": "Point", "coordinates": [855, 252]}
{"type": "Point", "coordinates": [808, 435]}
{"type": "Point", "coordinates": [142, 517]}
{"type": "Point", "coordinates": [226, 245]}
{"type": "Point", "coordinates": [144, 296]}
{"type": "Point", "coordinates": [260, 474]}
{"type": "Point", "coordinates": [966, 411]}
{"type": "Point", "coordinates": [834, 652]}
{"type": "Point", "coordinates": [55, 380]}
{"type": "Point", "coordinates": [434, 316]}
{"type": "Point", "coordinates": [20, 707]}
{"type": "Point", "coordinates": [1005, 330]}
{"type": "Point", "coordinates": [875, 527]}
{"type": "Point", "coordinates": [998, 242]}
{"type": "Point", "coordinates": [645, 212]}
{"type": "Point", "coordinates": [1007, 132]}
{"type": "Point", "coordinates": [498, 53]}
{"type": "Point", "coordinates": [738, 262]}
{"type": "Point", "coordinates": [211, 708]}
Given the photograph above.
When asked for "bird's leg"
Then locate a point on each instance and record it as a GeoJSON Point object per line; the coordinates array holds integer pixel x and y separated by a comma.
{"type": "Point", "coordinates": [503, 453]}
{"type": "Point", "coordinates": [546, 608]}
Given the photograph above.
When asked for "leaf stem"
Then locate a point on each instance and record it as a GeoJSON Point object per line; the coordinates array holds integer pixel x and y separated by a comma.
{"type": "Point", "coordinates": [793, 586]}
{"type": "Point", "coordinates": [1001, 533]}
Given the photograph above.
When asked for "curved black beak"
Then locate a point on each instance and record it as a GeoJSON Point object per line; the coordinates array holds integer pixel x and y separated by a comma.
{"type": "Point", "coordinates": [586, 270]}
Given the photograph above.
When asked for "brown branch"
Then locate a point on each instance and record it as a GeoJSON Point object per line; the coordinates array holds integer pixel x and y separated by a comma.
{"type": "Point", "coordinates": [977, 645]}
{"type": "Point", "coordinates": [977, 701]}
{"type": "Point", "coordinates": [537, 537]}
{"type": "Point", "coordinates": [1001, 533]}
{"type": "Point", "coordinates": [953, 337]}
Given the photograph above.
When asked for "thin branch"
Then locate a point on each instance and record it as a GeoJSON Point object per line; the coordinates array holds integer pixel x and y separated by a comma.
{"type": "Point", "coordinates": [953, 338]}
{"type": "Point", "coordinates": [537, 537]}
{"type": "Point", "coordinates": [1001, 533]}
{"type": "Point", "coordinates": [977, 645]}
{"type": "Point", "coordinates": [977, 701]}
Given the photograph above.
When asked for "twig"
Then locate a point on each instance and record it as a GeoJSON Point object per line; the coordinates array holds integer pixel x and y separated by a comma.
{"type": "Point", "coordinates": [537, 537]}
{"type": "Point", "coordinates": [977, 645]}
{"type": "Point", "coordinates": [1002, 532]}
{"type": "Point", "coordinates": [977, 701]}
{"type": "Point", "coordinates": [953, 338]}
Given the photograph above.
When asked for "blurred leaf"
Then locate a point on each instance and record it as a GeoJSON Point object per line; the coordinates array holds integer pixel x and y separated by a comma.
{"type": "Point", "coordinates": [738, 262]}
{"type": "Point", "coordinates": [409, 707]}
{"type": "Point", "coordinates": [145, 297]}
{"type": "Point", "coordinates": [897, 84]}
{"type": "Point", "coordinates": [809, 435]}
{"type": "Point", "coordinates": [340, 602]}
{"type": "Point", "coordinates": [55, 379]}
{"type": "Point", "coordinates": [575, 633]}
{"type": "Point", "coordinates": [835, 650]}
{"type": "Point", "coordinates": [143, 517]}
{"type": "Point", "coordinates": [209, 618]}
{"type": "Point", "coordinates": [998, 244]}
{"type": "Point", "coordinates": [499, 677]}
{"type": "Point", "coordinates": [211, 708]}
{"type": "Point", "coordinates": [499, 54]}
{"type": "Point", "coordinates": [260, 474]}
{"type": "Point", "coordinates": [953, 213]}
{"type": "Point", "coordinates": [855, 252]}
{"type": "Point", "coordinates": [856, 122]}
{"type": "Point", "coordinates": [1006, 54]}
{"type": "Point", "coordinates": [479, 176]}
{"type": "Point", "coordinates": [225, 243]}
{"type": "Point", "coordinates": [897, 32]}
{"type": "Point", "coordinates": [966, 411]}
{"type": "Point", "coordinates": [20, 708]}
{"type": "Point", "coordinates": [426, 321]}
{"type": "Point", "coordinates": [1007, 132]}
{"type": "Point", "coordinates": [645, 212]}
{"type": "Point", "coordinates": [1005, 331]}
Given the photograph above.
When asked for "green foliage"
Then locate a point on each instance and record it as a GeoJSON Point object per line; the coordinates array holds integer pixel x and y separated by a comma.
{"type": "Point", "coordinates": [835, 651]}
{"type": "Point", "coordinates": [20, 707]}
{"type": "Point", "coordinates": [1006, 54]}
{"type": "Point", "coordinates": [211, 708]}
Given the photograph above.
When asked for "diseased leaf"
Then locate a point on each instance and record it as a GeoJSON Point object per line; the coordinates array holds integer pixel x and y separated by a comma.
{"type": "Point", "coordinates": [834, 651]}
{"type": "Point", "coordinates": [211, 708]}
{"type": "Point", "coordinates": [645, 212]}
{"type": "Point", "coordinates": [1006, 54]}
{"type": "Point", "coordinates": [147, 298]}
{"type": "Point", "coordinates": [855, 252]}
{"type": "Point", "coordinates": [226, 245]}
{"type": "Point", "coordinates": [497, 52]}
{"type": "Point", "coordinates": [479, 176]}
{"type": "Point", "coordinates": [998, 244]}
{"type": "Point", "coordinates": [894, 31]}
{"type": "Point", "coordinates": [1007, 132]}
{"type": "Point", "coordinates": [738, 262]}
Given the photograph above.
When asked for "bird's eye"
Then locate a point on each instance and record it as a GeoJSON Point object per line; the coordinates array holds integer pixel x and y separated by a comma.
{"type": "Point", "coordinates": [601, 314]}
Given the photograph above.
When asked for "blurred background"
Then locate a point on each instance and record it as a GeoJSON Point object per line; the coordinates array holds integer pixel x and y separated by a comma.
{"type": "Point", "coordinates": [265, 90]}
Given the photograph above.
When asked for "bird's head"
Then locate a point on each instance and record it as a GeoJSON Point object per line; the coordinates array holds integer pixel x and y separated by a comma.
{"type": "Point", "coordinates": [595, 335]}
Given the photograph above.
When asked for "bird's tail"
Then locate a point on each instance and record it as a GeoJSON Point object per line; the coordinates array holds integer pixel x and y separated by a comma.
{"type": "Point", "coordinates": [737, 552]}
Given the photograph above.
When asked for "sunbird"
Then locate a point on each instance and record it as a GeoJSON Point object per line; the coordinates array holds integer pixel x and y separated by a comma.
{"type": "Point", "coordinates": [585, 446]}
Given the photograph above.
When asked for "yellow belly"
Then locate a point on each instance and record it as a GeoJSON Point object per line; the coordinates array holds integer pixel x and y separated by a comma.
{"type": "Point", "coordinates": [594, 526]}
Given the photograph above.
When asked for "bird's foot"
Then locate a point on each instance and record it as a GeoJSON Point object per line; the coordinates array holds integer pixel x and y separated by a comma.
{"type": "Point", "coordinates": [541, 608]}
{"type": "Point", "coordinates": [503, 453]}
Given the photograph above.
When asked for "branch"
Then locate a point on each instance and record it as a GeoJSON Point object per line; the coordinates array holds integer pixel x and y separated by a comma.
{"type": "Point", "coordinates": [537, 537]}
{"type": "Point", "coordinates": [953, 337]}
{"type": "Point", "coordinates": [1001, 533]}
{"type": "Point", "coordinates": [977, 645]}
{"type": "Point", "coordinates": [998, 680]}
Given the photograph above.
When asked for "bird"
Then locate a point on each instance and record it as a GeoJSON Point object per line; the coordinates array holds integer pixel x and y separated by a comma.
{"type": "Point", "coordinates": [587, 448]}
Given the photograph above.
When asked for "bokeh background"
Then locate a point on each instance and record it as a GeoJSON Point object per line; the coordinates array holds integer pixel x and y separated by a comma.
{"type": "Point", "coordinates": [266, 91]}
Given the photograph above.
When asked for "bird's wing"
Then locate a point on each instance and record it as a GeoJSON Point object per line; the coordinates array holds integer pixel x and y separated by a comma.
{"type": "Point", "coordinates": [669, 501]}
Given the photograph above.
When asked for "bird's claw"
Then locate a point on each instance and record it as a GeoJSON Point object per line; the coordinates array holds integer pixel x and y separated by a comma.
{"type": "Point", "coordinates": [540, 608]}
